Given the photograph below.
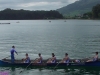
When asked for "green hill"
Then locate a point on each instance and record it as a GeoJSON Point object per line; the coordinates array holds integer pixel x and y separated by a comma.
{"type": "Point", "coordinates": [78, 8]}
{"type": "Point", "coordinates": [10, 14]}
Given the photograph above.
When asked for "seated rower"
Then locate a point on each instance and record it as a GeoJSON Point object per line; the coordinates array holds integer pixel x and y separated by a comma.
{"type": "Point", "coordinates": [38, 60]}
{"type": "Point", "coordinates": [53, 59]}
{"type": "Point", "coordinates": [27, 59]}
{"type": "Point", "coordinates": [95, 58]}
{"type": "Point", "coordinates": [65, 59]}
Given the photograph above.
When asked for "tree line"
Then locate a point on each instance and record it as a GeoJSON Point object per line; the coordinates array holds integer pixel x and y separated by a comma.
{"type": "Point", "coordinates": [10, 14]}
{"type": "Point", "coordinates": [94, 14]}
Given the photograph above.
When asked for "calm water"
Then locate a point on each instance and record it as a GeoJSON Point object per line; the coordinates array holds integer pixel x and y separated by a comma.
{"type": "Point", "coordinates": [79, 38]}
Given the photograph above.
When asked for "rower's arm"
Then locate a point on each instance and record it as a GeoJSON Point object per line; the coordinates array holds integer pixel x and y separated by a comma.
{"type": "Point", "coordinates": [26, 58]}
{"type": "Point", "coordinates": [96, 57]}
{"type": "Point", "coordinates": [40, 59]}
{"type": "Point", "coordinates": [16, 52]}
{"type": "Point", "coordinates": [66, 58]}
{"type": "Point", "coordinates": [54, 58]}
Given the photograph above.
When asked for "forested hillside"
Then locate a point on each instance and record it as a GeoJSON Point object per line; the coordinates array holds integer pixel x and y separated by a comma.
{"type": "Point", "coordinates": [78, 8]}
{"type": "Point", "coordinates": [10, 14]}
{"type": "Point", "coordinates": [94, 14]}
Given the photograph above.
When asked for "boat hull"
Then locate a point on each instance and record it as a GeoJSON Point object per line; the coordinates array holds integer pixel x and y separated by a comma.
{"type": "Point", "coordinates": [51, 65]}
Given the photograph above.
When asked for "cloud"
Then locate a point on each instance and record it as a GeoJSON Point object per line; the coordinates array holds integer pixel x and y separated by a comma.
{"type": "Point", "coordinates": [34, 4]}
{"type": "Point", "coordinates": [41, 5]}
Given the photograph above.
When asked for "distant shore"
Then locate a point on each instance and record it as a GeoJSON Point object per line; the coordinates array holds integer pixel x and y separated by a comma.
{"type": "Point", "coordinates": [58, 19]}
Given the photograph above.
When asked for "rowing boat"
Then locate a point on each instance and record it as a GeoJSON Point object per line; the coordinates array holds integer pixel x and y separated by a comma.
{"type": "Point", "coordinates": [19, 63]}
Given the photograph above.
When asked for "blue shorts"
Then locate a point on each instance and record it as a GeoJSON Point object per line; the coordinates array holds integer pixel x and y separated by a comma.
{"type": "Point", "coordinates": [67, 61]}
{"type": "Point", "coordinates": [54, 61]}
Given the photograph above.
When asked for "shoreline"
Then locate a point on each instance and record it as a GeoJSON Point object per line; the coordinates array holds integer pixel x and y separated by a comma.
{"type": "Point", "coordinates": [58, 19]}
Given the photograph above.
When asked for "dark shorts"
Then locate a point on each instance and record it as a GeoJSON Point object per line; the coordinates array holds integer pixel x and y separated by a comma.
{"type": "Point", "coordinates": [12, 58]}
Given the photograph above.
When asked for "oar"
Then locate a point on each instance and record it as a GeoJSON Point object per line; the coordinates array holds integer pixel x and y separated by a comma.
{"type": "Point", "coordinates": [56, 65]}
{"type": "Point", "coordinates": [27, 66]}
{"type": "Point", "coordinates": [6, 57]}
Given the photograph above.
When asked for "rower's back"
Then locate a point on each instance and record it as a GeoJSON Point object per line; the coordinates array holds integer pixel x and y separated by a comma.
{"type": "Point", "coordinates": [53, 58]}
{"type": "Point", "coordinates": [27, 59]}
{"type": "Point", "coordinates": [66, 58]}
{"type": "Point", "coordinates": [95, 57]}
{"type": "Point", "coordinates": [40, 58]}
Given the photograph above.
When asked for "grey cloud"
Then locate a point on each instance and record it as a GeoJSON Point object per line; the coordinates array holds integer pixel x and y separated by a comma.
{"type": "Point", "coordinates": [40, 4]}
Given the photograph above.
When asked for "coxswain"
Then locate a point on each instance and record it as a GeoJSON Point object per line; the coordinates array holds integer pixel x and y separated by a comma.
{"type": "Point", "coordinates": [12, 54]}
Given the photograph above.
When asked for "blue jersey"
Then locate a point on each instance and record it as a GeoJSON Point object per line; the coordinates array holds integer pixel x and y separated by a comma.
{"type": "Point", "coordinates": [12, 51]}
{"type": "Point", "coordinates": [12, 55]}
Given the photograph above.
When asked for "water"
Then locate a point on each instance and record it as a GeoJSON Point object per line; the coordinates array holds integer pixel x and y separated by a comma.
{"type": "Point", "coordinates": [79, 38]}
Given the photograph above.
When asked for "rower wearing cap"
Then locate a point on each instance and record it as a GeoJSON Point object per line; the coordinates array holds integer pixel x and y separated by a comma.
{"type": "Point", "coordinates": [95, 58]}
{"type": "Point", "coordinates": [53, 59]}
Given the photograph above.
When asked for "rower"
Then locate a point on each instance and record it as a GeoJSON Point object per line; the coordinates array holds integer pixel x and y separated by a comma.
{"type": "Point", "coordinates": [95, 58]}
{"type": "Point", "coordinates": [27, 59]}
{"type": "Point", "coordinates": [65, 59]}
{"type": "Point", "coordinates": [12, 54]}
{"type": "Point", "coordinates": [53, 59]}
{"type": "Point", "coordinates": [38, 60]}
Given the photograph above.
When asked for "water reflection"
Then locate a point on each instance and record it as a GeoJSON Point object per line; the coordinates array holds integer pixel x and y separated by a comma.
{"type": "Point", "coordinates": [13, 71]}
{"type": "Point", "coordinates": [82, 71]}
{"type": "Point", "coordinates": [67, 71]}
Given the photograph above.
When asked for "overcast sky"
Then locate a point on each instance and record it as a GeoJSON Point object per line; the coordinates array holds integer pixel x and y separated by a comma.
{"type": "Point", "coordinates": [34, 4]}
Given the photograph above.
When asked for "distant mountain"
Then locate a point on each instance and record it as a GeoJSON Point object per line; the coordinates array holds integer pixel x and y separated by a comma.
{"type": "Point", "coordinates": [79, 7]}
